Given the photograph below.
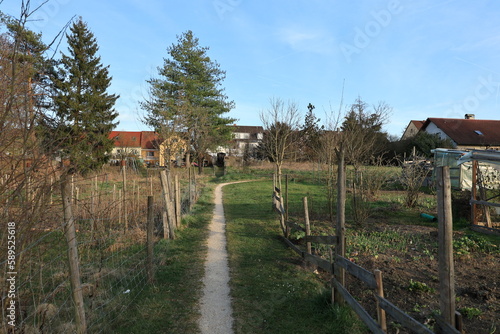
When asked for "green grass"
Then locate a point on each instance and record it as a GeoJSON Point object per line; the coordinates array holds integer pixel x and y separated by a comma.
{"type": "Point", "coordinates": [272, 292]}
{"type": "Point", "coordinates": [170, 305]}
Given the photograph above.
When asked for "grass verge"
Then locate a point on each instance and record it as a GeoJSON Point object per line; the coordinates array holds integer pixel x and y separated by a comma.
{"type": "Point", "coordinates": [272, 292]}
{"type": "Point", "coordinates": [170, 305]}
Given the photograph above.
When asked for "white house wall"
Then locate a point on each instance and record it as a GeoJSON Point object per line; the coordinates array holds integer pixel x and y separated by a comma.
{"type": "Point", "coordinates": [433, 129]}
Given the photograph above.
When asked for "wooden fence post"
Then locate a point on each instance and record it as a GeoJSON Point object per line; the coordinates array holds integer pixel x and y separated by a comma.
{"type": "Point", "coordinates": [380, 292]}
{"type": "Point", "coordinates": [341, 197]}
{"type": "Point", "coordinates": [124, 197]}
{"type": "Point", "coordinates": [445, 246]}
{"type": "Point", "coordinates": [332, 282]}
{"type": "Point", "coordinates": [168, 216]}
{"type": "Point", "coordinates": [286, 197]}
{"type": "Point", "coordinates": [150, 241]}
{"type": "Point", "coordinates": [308, 225]}
{"type": "Point", "coordinates": [189, 189]}
{"type": "Point", "coordinates": [74, 265]}
{"type": "Point", "coordinates": [178, 205]}
{"type": "Point", "coordinates": [171, 189]}
{"type": "Point", "coordinates": [473, 217]}
{"type": "Point", "coordinates": [120, 203]}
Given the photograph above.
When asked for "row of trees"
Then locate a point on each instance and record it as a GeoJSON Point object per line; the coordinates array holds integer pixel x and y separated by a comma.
{"type": "Point", "coordinates": [55, 107]}
{"type": "Point", "coordinates": [67, 109]}
{"type": "Point", "coordinates": [359, 130]}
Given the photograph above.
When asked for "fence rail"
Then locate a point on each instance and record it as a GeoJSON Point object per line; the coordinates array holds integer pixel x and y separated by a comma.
{"type": "Point", "coordinates": [374, 280]}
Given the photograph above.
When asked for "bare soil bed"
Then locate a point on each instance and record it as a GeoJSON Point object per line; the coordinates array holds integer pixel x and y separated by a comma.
{"type": "Point", "coordinates": [477, 281]}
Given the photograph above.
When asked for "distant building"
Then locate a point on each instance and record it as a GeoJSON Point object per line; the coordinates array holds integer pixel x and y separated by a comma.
{"type": "Point", "coordinates": [412, 129]}
{"type": "Point", "coordinates": [142, 145]}
{"type": "Point", "coordinates": [246, 137]}
{"type": "Point", "coordinates": [468, 133]}
{"type": "Point", "coordinates": [464, 133]}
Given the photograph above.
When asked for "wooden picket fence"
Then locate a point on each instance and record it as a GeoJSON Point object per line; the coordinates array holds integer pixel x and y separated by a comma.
{"type": "Point", "coordinates": [338, 265]}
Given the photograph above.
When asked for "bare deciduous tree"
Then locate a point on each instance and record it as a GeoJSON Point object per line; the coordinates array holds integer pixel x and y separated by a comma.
{"type": "Point", "coordinates": [281, 124]}
{"type": "Point", "coordinates": [362, 131]}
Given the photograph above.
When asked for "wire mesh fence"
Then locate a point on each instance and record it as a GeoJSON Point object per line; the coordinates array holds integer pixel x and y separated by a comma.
{"type": "Point", "coordinates": [110, 215]}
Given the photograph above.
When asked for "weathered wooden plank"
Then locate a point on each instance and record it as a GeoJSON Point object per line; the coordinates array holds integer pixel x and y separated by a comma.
{"type": "Point", "coordinates": [360, 311]}
{"type": "Point", "coordinates": [322, 239]}
{"type": "Point", "coordinates": [294, 247]}
{"type": "Point", "coordinates": [295, 226]}
{"type": "Point", "coordinates": [403, 318]}
{"type": "Point", "coordinates": [484, 229]}
{"type": "Point", "coordinates": [481, 202]}
{"type": "Point", "coordinates": [322, 263]}
{"type": "Point", "coordinates": [445, 327]}
{"type": "Point", "coordinates": [357, 271]}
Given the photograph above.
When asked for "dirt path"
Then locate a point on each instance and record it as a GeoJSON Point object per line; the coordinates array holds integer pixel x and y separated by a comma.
{"type": "Point", "coordinates": [216, 311]}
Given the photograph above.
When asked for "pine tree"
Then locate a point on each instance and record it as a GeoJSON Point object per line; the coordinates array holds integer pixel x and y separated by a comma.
{"type": "Point", "coordinates": [189, 99]}
{"type": "Point", "coordinates": [83, 108]}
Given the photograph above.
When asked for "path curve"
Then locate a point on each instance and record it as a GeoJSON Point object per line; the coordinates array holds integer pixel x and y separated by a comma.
{"type": "Point", "coordinates": [216, 310]}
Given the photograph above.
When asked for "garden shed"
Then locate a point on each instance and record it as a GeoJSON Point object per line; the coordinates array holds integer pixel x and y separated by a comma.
{"type": "Point", "coordinates": [485, 194]}
{"type": "Point", "coordinates": [477, 171]}
{"type": "Point", "coordinates": [460, 174]}
{"type": "Point", "coordinates": [461, 165]}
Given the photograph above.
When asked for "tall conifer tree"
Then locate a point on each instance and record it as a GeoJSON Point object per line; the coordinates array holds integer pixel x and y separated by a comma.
{"type": "Point", "coordinates": [189, 98]}
{"type": "Point", "coordinates": [84, 110]}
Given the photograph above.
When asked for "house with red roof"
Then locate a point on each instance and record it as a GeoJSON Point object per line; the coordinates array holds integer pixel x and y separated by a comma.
{"type": "Point", "coordinates": [412, 129]}
{"type": "Point", "coordinates": [146, 146]}
{"type": "Point", "coordinates": [466, 133]}
{"type": "Point", "coordinates": [143, 145]}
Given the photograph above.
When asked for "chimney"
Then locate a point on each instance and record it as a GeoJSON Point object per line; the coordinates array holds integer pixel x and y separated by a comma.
{"type": "Point", "coordinates": [470, 116]}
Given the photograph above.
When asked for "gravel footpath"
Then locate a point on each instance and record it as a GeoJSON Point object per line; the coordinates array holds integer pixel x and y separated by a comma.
{"type": "Point", "coordinates": [216, 311]}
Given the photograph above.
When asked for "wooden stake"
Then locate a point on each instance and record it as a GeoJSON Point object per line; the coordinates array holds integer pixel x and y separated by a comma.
{"type": "Point", "coordinates": [308, 225]}
{"type": "Point", "coordinates": [74, 265]}
{"type": "Point", "coordinates": [380, 292]}
{"type": "Point", "coordinates": [120, 203]}
{"type": "Point", "coordinates": [341, 198]}
{"type": "Point", "coordinates": [168, 212]}
{"type": "Point", "coordinates": [151, 184]}
{"type": "Point", "coordinates": [178, 205]}
{"type": "Point", "coordinates": [149, 240]}
{"type": "Point", "coordinates": [445, 246]}
{"type": "Point", "coordinates": [286, 197]}
{"type": "Point", "coordinates": [473, 218]}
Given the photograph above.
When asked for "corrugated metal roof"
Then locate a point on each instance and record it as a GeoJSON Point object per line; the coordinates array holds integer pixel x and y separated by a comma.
{"type": "Point", "coordinates": [478, 132]}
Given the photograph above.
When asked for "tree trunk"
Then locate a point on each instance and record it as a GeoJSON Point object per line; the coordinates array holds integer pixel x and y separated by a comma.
{"type": "Point", "coordinates": [74, 266]}
{"type": "Point", "coordinates": [200, 164]}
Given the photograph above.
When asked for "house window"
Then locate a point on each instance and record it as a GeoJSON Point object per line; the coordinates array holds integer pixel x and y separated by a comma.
{"type": "Point", "coordinates": [150, 154]}
{"type": "Point", "coordinates": [241, 135]}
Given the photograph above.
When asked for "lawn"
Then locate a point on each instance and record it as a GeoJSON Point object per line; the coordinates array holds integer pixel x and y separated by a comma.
{"type": "Point", "coordinates": [272, 291]}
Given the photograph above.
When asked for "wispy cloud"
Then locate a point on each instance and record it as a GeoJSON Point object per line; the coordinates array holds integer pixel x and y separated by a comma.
{"type": "Point", "coordinates": [304, 39]}
{"type": "Point", "coordinates": [489, 42]}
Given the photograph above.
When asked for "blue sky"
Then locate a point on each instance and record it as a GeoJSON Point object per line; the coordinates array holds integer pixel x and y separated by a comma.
{"type": "Point", "coordinates": [426, 58]}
